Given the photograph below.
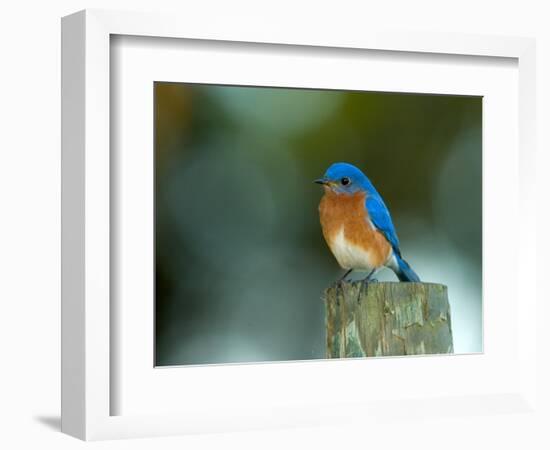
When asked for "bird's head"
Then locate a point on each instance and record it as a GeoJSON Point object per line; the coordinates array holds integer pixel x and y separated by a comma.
{"type": "Point", "coordinates": [344, 178]}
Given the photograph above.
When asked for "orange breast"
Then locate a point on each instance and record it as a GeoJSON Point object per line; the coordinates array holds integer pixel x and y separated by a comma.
{"type": "Point", "coordinates": [350, 235]}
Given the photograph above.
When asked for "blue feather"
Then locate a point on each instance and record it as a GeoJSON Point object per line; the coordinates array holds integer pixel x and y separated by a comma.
{"type": "Point", "coordinates": [404, 271]}
{"type": "Point", "coordinates": [381, 219]}
{"type": "Point", "coordinates": [345, 178]}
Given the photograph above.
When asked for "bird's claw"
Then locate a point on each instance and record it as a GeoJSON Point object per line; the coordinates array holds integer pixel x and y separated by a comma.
{"type": "Point", "coordinates": [343, 277]}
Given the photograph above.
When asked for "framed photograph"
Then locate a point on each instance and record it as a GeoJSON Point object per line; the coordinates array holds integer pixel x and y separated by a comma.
{"type": "Point", "coordinates": [256, 217]}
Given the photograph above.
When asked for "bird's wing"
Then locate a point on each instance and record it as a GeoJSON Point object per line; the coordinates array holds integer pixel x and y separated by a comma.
{"type": "Point", "coordinates": [381, 219]}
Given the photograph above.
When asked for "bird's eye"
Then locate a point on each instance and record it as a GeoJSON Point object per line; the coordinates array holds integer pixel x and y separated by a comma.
{"type": "Point", "coordinates": [344, 181]}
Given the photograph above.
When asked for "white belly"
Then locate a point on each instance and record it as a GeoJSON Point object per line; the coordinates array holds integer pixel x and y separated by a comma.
{"type": "Point", "coordinates": [348, 255]}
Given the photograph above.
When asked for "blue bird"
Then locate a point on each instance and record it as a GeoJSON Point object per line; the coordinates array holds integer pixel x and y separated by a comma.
{"type": "Point", "coordinates": [357, 225]}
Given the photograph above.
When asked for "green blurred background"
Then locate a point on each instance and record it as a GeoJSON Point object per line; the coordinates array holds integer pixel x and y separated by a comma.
{"type": "Point", "coordinates": [240, 259]}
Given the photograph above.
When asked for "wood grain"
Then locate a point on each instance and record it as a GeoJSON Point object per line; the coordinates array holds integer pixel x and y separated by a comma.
{"type": "Point", "coordinates": [387, 319]}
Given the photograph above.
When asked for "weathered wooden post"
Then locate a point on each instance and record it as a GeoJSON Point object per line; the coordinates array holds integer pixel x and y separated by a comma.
{"type": "Point", "coordinates": [387, 319]}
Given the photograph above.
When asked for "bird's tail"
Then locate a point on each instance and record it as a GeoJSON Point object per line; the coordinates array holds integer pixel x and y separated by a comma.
{"type": "Point", "coordinates": [404, 271]}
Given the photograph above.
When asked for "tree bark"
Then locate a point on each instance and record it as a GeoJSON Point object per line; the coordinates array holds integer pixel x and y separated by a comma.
{"type": "Point", "coordinates": [387, 319]}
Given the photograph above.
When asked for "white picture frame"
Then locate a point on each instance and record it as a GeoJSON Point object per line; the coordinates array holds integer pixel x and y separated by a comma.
{"type": "Point", "coordinates": [87, 328]}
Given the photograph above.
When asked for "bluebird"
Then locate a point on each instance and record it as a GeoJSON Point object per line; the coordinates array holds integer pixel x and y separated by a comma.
{"type": "Point", "coordinates": [357, 225]}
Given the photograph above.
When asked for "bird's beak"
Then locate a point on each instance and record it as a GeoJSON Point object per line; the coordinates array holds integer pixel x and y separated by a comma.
{"type": "Point", "coordinates": [321, 181]}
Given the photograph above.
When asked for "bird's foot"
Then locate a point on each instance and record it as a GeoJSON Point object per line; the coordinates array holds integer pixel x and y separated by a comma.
{"type": "Point", "coordinates": [343, 277]}
{"type": "Point", "coordinates": [368, 280]}
{"type": "Point", "coordinates": [370, 277]}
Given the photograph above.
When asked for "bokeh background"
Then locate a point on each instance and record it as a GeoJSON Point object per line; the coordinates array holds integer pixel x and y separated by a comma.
{"type": "Point", "coordinates": [240, 259]}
